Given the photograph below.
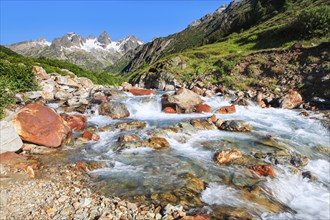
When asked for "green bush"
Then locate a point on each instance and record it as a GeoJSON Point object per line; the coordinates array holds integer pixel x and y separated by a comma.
{"type": "Point", "coordinates": [314, 22]}
{"type": "Point", "coordinates": [14, 78]}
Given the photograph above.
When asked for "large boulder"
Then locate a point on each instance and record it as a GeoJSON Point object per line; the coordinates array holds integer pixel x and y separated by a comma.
{"type": "Point", "coordinates": [290, 100]}
{"type": "Point", "coordinates": [183, 101]}
{"type": "Point", "coordinates": [115, 110]}
{"type": "Point", "coordinates": [235, 125]}
{"type": "Point", "coordinates": [9, 139]}
{"type": "Point", "coordinates": [41, 125]}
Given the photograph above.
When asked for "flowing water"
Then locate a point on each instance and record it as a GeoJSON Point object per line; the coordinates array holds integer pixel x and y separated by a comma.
{"type": "Point", "coordinates": [143, 171]}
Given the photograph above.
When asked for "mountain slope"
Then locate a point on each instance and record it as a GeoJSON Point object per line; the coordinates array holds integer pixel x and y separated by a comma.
{"type": "Point", "coordinates": [238, 17]}
{"type": "Point", "coordinates": [91, 53]}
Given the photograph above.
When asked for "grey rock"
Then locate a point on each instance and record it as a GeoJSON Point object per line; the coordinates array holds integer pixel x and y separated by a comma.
{"type": "Point", "coordinates": [9, 141]}
{"type": "Point", "coordinates": [115, 110]}
{"type": "Point", "coordinates": [236, 125]}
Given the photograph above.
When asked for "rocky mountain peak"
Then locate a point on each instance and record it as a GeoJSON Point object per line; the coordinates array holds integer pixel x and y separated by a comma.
{"type": "Point", "coordinates": [104, 39]}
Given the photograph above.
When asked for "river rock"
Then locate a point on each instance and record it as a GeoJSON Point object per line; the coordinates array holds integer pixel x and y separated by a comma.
{"type": "Point", "coordinates": [126, 86]}
{"type": "Point", "coordinates": [225, 156]}
{"type": "Point", "coordinates": [48, 89]}
{"type": "Point", "coordinates": [131, 125]}
{"type": "Point", "coordinates": [66, 80]}
{"type": "Point", "coordinates": [183, 101]}
{"type": "Point", "coordinates": [197, 90]}
{"type": "Point", "coordinates": [227, 110]}
{"type": "Point", "coordinates": [115, 94]}
{"type": "Point", "coordinates": [75, 122]}
{"type": "Point", "coordinates": [209, 93]}
{"type": "Point", "coordinates": [290, 100]}
{"type": "Point", "coordinates": [9, 140]}
{"type": "Point", "coordinates": [128, 138]}
{"type": "Point", "coordinates": [202, 124]}
{"type": "Point", "coordinates": [16, 162]}
{"type": "Point", "coordinates": [63, 95]}
{"type": "Point", "coordinates": [41, 125]}
{"type": "Point", "coordinates": [236, 125]}
{"type": "Point", "coordinates": [158, 143]}
{"type": "Point", "coordinates": [85, 82]}
{"type": "Point", "coordinates": [203, 108]}
{"type": "Point", "coordinates": [89, 135]}
{"type": "Point", "coordinates": [169, 110]}
{"type": "Point", "coordinates": [40, 72]}
{"type": "Point", "coordinates": [115, 110]}
{"type": "Point", "coordinates": [198, 216]}
{"type": "Point", "coordinates": [241, 101]}
{"type": "Point", "coordinates": [36, 149]}
{"type": "Point", "coordinates": [263, 170]}
{"type": "Point", "coordinates": [140, 92]}
{"type": "Point", "coordinates": [33, 95]}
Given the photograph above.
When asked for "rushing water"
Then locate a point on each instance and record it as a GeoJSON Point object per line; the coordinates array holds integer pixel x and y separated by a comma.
{"type": "Point", "coordinates": [146, 171]}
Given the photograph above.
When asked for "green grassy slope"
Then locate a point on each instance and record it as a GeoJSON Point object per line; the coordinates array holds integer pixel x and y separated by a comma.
{"type": "Point", "coordinates": [307, 21]}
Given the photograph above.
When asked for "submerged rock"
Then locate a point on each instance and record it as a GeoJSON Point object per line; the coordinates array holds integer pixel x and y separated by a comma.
{"type": "Point", "coordinates": [128, 138]}
{"type": "Point", "coordinates": [158, 143]}
{"type": "Point", "coordinates": [115, 110]}
{"type": "Point", "coordinates": [263, 170]}
{"type": "Point", "coordinates": [224, 157]}
{"type": "Point", "coordinates": [131, 125]}
{"type": "Point", "coordinates": [236, 125]}
{"type": "Point", "coordinates": [88, 135]}
{"type": "Point", "coordinates": [202, 124]}
{"type": "Point", "coordinates": [41, 125]}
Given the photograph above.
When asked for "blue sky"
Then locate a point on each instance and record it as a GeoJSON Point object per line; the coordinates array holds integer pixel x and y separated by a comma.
{"type": "Point", "coordinates": [28, 20]}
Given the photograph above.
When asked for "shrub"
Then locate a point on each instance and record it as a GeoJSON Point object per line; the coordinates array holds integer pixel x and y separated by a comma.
{"type": "Point", "coordinates": [314, 22]}
{"type": "Point", "coordinates": [14, 78]}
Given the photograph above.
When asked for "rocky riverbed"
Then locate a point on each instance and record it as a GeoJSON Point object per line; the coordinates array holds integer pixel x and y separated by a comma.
{"type": "Point", "coordinates": [74, 150]}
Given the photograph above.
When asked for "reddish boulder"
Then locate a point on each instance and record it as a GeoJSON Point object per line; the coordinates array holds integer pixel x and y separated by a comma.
{"type": "Point", "coordinates": [88, 135]}
{"type": "Point", "coordinates": [75, 122]}
{"type": "Point", "coordinates": [169, 110]}
{"type": "Point", "coordinates": [225, 156]}
{"type": "Point", "coordinates": [290, 100]}
{"type": "Point", "coordinates": [139, 92]}
{"type": "Point", "coordinates": [227, 109]}
{"type": "Point", "coordinates": [41, 125]}
{"type": "Point", "coordinates": [263, 170]}
{"type": "Point", "coordinates": [203, 108]}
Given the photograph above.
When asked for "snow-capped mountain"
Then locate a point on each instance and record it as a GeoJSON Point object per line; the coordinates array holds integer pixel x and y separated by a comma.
{"type": "Point", "coordinates": [94, 53]}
